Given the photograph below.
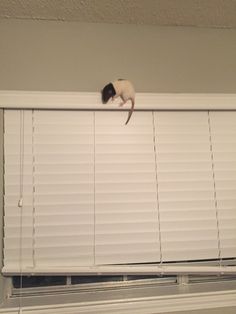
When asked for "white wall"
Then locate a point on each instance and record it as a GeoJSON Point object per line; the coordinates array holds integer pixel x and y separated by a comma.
{"type": "Point", "coordinates": [70, 56]}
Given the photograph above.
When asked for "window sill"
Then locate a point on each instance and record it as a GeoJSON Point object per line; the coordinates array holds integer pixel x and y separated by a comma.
{"type": "Point", "coordinates": [135, 300]}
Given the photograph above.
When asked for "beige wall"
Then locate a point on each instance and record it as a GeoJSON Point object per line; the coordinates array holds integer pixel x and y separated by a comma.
{"type": "Point", "coordinates": [68, 56]}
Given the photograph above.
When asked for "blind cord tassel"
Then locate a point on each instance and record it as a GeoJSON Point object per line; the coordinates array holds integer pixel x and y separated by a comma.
{"type": "Point", "coordinates": [20, 202]}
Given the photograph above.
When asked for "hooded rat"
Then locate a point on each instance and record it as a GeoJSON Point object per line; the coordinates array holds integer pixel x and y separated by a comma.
{"type": "Point", "coordinates": [120, 88]}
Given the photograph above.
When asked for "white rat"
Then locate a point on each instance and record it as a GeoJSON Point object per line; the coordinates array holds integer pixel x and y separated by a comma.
{"type": "Point", "coordinates": [120, 88]}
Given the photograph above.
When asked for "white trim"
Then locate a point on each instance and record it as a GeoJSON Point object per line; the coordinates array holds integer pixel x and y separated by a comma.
{"type": "Point", "coordinates": [92, 101]}
{"type": "Point", "coordinates": [125, 270]}
{"type": "Point", "coordinates": [147, 305]}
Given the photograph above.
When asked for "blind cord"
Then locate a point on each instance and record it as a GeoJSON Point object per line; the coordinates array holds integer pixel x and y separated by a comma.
{"type": "Point", "coordinates": [158, 208]}
{"type": "Point", "coordinates": [215, 198]}
{"type": "Point", "coordinates": [33, 190]}
{"type": "Point", "coordinates": [20, 202]}
{"type": "Point", "coordinates": [94, 189]}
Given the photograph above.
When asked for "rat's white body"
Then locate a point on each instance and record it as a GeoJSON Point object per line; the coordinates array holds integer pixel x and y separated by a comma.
{"type": "Point", "coordinates": [125, 90]}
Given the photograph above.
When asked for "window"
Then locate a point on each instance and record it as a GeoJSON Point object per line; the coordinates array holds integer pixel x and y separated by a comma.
{"type": "Point", "coordinates": [182, 157]}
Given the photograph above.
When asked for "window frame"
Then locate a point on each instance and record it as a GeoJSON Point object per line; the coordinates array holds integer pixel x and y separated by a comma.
{"type": "Point", "coordinates": [182, 296]}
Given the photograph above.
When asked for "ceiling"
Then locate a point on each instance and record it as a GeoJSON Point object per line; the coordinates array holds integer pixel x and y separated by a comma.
{"type": "Point", "coordinates": [199, 13]}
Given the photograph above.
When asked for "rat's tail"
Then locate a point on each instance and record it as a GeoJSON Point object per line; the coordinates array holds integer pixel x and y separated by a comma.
{"type": "Point", "coordinates": [131, 111]}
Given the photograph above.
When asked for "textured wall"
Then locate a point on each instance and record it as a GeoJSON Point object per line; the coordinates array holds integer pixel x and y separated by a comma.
{"type": "Point", "coordinates": [70, 56]}
{"type": "Point", "coordinates": [209, 13]}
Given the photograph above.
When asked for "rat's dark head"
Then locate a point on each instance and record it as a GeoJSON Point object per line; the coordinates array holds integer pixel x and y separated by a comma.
{"type": "Point", "coordinates": [108, 92]}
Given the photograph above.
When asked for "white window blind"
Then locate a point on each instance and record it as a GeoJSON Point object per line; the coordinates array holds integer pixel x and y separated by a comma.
{"type": "Point", "coordinates": [186, 186]}
{"type": "Point", "coordinates": [126, 213]}
{"type": "Point", "coordinates": [97, 193]}
{"type": "Point", "coordinates": [223, 133]}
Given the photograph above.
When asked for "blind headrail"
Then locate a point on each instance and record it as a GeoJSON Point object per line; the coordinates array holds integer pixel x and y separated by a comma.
{"type": "Point", "coordinates": [92, 101]}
